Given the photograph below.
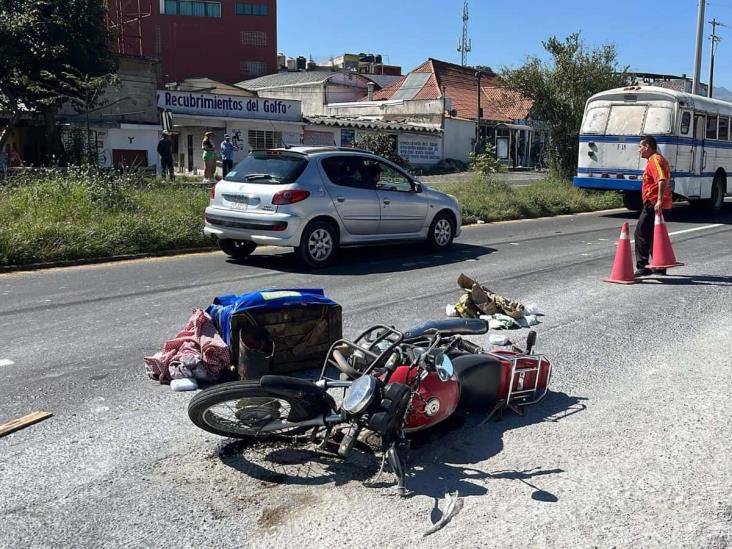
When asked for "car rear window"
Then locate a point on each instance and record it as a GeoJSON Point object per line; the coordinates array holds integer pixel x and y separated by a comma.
{"type": "Point", "coordinates": [266, 168]}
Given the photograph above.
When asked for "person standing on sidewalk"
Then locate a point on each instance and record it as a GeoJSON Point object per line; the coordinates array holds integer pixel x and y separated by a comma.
{"type": "Point", "coordinates": [208, 152]}
{"type": "Point", "coordinates": [656, 197]}
{"type": "Point", "coordinates": [165, 150]}
{"type": "Point", "coordinates": [227, 155]}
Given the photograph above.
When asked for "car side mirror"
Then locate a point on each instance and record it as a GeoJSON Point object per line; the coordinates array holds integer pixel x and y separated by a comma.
{"type": "Point", "coordinates": [417, 187]}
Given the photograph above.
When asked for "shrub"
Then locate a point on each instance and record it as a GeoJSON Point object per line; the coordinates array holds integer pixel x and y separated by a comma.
{"type": "Point", "coordinates": [382, 145]}
{"type": "Point", "coordinates": [485, 163]}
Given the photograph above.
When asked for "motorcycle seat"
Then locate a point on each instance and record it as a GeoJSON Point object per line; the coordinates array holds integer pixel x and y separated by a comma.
{"type": "Point", "coordinates": [449, 326]}
{"type": "Point", "coordinates": [480, 381]}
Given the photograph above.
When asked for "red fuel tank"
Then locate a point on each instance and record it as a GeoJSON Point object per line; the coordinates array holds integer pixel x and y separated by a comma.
{"type": "Point", "coordinates": [433, 402]}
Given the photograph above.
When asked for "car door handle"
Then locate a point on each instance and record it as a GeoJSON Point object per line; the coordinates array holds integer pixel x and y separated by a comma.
{"type": "Point", "coordinates": [340, 198]}
{"type": "Point", "coordinates": [387, 201]}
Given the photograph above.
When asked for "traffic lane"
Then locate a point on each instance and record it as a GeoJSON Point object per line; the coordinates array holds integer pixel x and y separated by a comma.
{"type": "Point", "coordinates": [50, 288]}
{"type": "Point", "coordinates": [142, 454]}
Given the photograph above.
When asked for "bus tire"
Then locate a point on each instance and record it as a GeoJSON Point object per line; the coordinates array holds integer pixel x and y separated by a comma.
{"type": "Point", "coordinates": [716, 201]}
{"type": "Point", "coordinates": [632, 201]}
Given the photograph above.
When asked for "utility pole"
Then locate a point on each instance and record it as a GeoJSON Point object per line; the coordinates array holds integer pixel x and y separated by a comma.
{"type": "Point", "coordinates": [713, 41]}
{"type": "Point", "coordinates": [699, 40]}
{"type": "Point", "coordinates": [464, 45]}
{"type": "Point", "coordinates": [476, 147]}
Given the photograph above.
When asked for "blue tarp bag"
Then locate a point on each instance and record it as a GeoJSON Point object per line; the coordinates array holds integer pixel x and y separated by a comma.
{"type": "Point", "coordinates": [315, 322]}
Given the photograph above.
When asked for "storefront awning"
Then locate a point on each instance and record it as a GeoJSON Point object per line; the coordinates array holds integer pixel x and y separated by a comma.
{"type": "Point", "coordinates": [515, 126]}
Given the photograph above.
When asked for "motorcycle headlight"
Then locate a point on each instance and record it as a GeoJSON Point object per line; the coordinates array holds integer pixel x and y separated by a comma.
{"type": "Point", "coordinates": [359, 395]}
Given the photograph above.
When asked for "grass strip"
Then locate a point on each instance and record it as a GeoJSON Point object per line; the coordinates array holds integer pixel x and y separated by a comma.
{"type": "Point", "coordinates": [77, 214]}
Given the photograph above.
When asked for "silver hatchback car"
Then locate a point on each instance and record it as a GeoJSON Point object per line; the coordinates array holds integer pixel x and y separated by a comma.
{"type": "Point", "coordinates": [317, 199]}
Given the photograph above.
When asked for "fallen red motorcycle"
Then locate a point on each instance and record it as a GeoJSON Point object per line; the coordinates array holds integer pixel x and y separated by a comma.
{"type": "Point", "coordinates": [392, 384]}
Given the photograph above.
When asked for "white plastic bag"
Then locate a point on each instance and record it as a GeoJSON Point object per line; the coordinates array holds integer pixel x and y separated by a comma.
{"type": "Point", "coordinates": [184, 384]}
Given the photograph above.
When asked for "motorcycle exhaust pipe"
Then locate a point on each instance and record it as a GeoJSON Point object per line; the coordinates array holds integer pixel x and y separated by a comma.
{"type": "Point", "coordinates": [318, 421]}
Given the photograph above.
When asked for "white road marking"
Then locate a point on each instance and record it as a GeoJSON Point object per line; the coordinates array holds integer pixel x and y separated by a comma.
{"type": "Point", "coordinates": [691, 230]}
{"type": "Point", "coordinates": [6, 362]}
{"type": "Point", "coordinates": [696, 229]}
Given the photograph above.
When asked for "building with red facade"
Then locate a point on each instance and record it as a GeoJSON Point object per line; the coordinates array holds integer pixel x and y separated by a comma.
{"type": "Point", "coordinates": [225, 40]}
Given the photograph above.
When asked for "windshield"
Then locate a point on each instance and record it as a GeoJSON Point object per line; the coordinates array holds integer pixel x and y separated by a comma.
{"type": "Point", "coordinates": [263, 167]}
{"type": "Point", "coordinates": [595, 120]}
{"type": "Point", "coordinates": [626, 119]}
{"type": "Point", "coordinates": [658, 120]}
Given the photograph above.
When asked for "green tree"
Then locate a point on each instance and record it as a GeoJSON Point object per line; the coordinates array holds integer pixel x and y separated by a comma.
{"type": "Point", "coordinates": [560, 88]}
{"type": "Point", "coordinates": [51, 51]}
{"type": "Point", "coordinates": [383, 145]}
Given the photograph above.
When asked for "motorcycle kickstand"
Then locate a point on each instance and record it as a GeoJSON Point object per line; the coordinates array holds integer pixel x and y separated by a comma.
{"type": "Point", "coordinates": [397, 466]}
{"type": "Point", "coordinates": [497, 408]}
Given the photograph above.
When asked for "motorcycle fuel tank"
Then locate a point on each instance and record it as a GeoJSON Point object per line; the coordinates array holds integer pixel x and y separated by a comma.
{"type": "Point", "coordinates": [434, 401]}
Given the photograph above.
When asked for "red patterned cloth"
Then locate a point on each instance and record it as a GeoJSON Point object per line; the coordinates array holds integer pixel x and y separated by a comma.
{"type": "Point", "coordinates": [197, 342]}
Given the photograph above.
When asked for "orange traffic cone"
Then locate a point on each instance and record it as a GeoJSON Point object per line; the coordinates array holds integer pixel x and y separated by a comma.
{"type": "Point", "coordinates": [622, 272]}
{"type": "Point", "coordinates": [663, 255]}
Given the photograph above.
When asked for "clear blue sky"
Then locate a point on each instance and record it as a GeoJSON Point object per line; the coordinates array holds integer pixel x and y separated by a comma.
{"type": "Point", "coordinates": [650, 36]}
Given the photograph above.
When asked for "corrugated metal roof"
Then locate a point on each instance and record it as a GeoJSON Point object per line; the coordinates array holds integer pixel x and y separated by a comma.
{"type": "Point", "coordinates": [293, 78]}
{"type": "Point", "coordinates": [383, 80]}
{"type": "Point", "coordinates": [370, 124]}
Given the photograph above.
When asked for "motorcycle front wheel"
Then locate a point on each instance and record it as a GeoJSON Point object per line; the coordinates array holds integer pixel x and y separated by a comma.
{"type": "Point", "coordinates": [243, 409]}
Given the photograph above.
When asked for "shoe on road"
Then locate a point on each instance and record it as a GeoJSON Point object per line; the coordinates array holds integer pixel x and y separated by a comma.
{"type": "Point", "coordinates": [659, 271]}
{"type": "Point", "coordinates": [642, 272]}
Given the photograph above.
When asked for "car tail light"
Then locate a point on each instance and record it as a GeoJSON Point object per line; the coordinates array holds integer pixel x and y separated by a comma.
{"type": "Point", "coordinates": [289, 197]}
{"type": "Point", "coordinates": [212, 194]}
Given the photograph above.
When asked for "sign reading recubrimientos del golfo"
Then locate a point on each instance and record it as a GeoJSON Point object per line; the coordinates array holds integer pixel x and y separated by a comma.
{"type": "Point", "coordinates": [229, 106]}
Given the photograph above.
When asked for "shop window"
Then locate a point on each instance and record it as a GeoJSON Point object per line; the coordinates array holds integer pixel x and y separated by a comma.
{"type": "Point", "coordinates": [264, 139]}
{"type": "Point", "coordinates": [192, 8]}
{"type": "Point", "coordinates": [252, 9]}
{"type": "Point", "coordinates": [253, 38]}
{"type": "Point", "coordinates": [251, 69]}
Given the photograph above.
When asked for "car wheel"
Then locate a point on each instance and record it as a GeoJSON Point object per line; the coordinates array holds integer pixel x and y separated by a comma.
{"type": "Point", "coordinates": [442, 232]}
{"type": "Point", "coordinates": [318, 244]}
{"type": "Point", "coordinates": [238, 249]}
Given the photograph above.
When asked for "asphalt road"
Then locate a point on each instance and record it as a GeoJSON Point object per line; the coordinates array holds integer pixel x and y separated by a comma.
{"type": "Point", "coordinates": [630, 449]}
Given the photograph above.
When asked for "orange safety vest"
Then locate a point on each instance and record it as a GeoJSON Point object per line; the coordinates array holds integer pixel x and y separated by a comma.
{"type": "Point", "coordinates": [656, 169]}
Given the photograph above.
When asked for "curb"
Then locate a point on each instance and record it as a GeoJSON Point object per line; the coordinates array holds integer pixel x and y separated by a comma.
{"type": "Point", "coordinates": [97, 260]}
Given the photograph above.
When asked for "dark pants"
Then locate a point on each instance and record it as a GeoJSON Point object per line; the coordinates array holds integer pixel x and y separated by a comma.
{"type": "Point", "coordinates": [226, 166]}
{"type": "Point", "coordinates": [644, 234]}
{"type": "Point", "coordinates": [166, 165]}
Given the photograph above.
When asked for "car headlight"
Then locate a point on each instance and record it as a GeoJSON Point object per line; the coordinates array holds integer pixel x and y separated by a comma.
{"type": "Point", "coordinates": [359, 395]}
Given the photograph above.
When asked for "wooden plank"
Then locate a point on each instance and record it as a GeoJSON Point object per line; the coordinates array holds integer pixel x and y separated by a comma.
{"type": "Point", "coordinates": [22, 422]}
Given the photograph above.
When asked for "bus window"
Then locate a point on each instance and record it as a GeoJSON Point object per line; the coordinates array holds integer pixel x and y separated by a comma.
{"type": "Point", "coordinates": [595, 120]}
{"type": "Point", "coordinates": [685, 123]}
{"type": "Point", "coordinates": [626, 119]}
{"type": "Point", "coordinates": [711, 127]}
{"type": "Point", "coordinates": [658, 120]}
{"type": "Point", "coordinates": [723, 128]}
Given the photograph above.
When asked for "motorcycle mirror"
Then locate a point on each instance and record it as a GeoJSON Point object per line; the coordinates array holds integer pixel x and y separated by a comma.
{"type": "Point", "coordinates": [530, 341]}
{"type": "Point", "coordinates": [444, 367]}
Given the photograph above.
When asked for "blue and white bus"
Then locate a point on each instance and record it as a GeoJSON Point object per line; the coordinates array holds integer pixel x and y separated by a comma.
{"type": "Point", "coordinates": [693, 133]}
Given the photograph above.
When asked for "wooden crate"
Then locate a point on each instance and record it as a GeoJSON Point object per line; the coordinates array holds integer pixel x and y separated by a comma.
{"type": "Point", "coordinates": [301, 335]}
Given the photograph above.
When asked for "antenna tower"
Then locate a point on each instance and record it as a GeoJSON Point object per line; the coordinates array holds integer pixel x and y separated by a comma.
{"type": "Point", "coordinates": [464, 44]}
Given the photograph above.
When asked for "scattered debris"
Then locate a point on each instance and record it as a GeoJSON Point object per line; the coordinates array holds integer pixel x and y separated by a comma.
{"type": "Point", "coordinates": [23, 422]}
{"type": "Point", "coordinates": [453, 505]}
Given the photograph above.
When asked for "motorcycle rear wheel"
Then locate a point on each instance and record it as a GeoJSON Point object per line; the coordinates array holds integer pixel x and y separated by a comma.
{"type": "Point", "coordinates": [244, 410]}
